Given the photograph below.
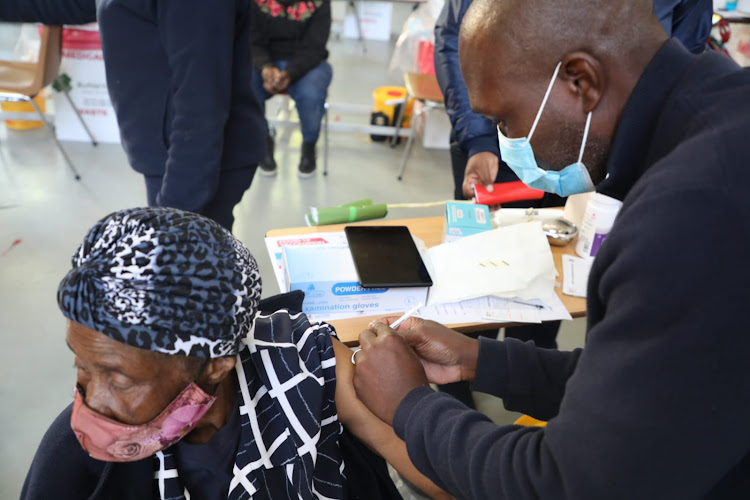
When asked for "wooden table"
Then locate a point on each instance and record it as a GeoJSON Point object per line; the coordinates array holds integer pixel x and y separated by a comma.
{"type": "Point", "coordinates": [430, 230]}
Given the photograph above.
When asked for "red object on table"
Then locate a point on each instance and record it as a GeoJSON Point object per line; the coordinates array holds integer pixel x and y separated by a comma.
{"type": "Point", "coordinates": [506, 192]}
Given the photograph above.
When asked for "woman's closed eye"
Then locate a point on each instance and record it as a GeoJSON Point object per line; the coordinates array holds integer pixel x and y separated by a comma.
{"type": "Point", "coordinates": [120, 382]}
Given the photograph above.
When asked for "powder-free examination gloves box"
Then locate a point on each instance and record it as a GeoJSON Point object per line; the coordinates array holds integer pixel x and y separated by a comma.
{"type": "Point", "coordinates": [465, 219]}
{"type": "Point", "coordinates": [327, 275]}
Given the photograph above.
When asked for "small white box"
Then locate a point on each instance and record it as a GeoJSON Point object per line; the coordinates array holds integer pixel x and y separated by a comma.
{"type": "Point", "coordinates": [327, 275]}
{"type": "Point", "coordinates": [433, 127]}
{"type": "Point", "coordinates": [374, 21]}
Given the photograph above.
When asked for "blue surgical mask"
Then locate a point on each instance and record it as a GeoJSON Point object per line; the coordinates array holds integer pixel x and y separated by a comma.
{"type": "Point", "coordinates": [519, 156]}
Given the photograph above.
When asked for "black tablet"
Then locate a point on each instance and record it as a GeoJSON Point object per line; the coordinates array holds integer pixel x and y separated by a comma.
{"type": "Point", "coordinates": [386, 256]}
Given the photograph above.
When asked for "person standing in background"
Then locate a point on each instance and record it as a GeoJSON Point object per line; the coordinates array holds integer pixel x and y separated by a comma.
{"type": "Point", "coordinates": [289, 56]}
{"type": "Point", "coordinates": [179, 77]}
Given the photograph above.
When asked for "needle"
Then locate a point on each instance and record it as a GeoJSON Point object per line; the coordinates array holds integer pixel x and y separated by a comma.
{"type": "Point", "coordinates": [406, 315]}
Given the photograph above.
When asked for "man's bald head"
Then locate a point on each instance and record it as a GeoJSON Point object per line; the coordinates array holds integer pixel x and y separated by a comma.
{"type": "Point", "coordinates": [508, 50]}
{"type": "Point", "coordinates": [538, 33]}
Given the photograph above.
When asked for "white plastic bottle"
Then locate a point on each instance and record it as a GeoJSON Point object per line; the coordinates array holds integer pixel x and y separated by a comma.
{"type": "Point", "coordinates": [575, 207]}
{"type": "Point", "coordinates": [598, 218]}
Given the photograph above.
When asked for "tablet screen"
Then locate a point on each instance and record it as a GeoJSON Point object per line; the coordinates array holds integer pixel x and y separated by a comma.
{"type": "Point", "coordinates": [386, 256]}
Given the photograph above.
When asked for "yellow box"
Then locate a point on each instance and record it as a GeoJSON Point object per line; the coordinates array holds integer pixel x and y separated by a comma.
{"type": "Point", "coordinates": [23, 107]}
{"type": "Point", "coordinates": [382, 95]}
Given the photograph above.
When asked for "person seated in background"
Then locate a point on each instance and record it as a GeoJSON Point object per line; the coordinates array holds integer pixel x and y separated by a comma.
{"type": "Point", "coordinates": [188, 385]}
{"type": "Point", "coordinates": [289, 54]}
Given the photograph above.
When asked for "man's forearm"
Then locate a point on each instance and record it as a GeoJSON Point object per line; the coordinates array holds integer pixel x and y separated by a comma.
{"type": "Point", "coordinates": [528, 379]}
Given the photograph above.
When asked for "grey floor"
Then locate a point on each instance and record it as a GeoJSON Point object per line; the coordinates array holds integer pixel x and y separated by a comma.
{"type": "Point", "coordinates": [49, 212]}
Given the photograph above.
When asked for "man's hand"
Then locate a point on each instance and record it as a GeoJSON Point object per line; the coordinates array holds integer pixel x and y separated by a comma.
{"type": "Point", "coordinates": [481, 169]}
{"type": "Point", "coordinates": [387, 370]}
{"type": "Point", "coordinates": [270, 75]}
{"type": "Point", "coordinates": [446, 355]}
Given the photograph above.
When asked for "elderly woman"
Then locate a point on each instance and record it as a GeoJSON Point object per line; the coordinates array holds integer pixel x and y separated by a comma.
{"type": "Point", "coordinates": [190, 386]}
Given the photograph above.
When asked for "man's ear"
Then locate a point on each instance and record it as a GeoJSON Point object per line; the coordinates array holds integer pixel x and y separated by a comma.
{"type": "Point", "coordinates": [584, 75]}
{"type": "Point", "coordinates": [217, 369]}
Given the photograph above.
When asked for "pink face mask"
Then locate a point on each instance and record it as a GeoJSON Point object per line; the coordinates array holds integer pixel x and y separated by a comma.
{"type": "Point", "coordinates": [105, 439]}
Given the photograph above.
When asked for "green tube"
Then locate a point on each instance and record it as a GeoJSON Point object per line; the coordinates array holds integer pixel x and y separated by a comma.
{"type": "Point", "coordinates": [358, 203]}
{"type": "Point", "coordinates": [345, 213]}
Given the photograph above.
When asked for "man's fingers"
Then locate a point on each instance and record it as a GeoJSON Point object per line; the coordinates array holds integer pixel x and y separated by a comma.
{"type": "Point", "coordinates": [411, 337]}
{"type": "Point", "coordinates": [366, 337]}
{"type": "Point", "coordinates": [379, 328]}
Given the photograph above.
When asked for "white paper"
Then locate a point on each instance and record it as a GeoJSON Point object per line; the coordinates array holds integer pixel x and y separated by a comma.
{"type": "Point", "coordinates": [575, 275]}
{"type": "Point", "coordinates": [488, 309]}
{"type": "Point", "coordinates": [508, 262]}
{"type": "Point", "coordinates": [551, 308]}
{"type": "Point", "coordinates": [467, 311]}
{"type": "Point", "coordinates": [505, 310]}
{"type": "Point", "coordinates": [492, 309]}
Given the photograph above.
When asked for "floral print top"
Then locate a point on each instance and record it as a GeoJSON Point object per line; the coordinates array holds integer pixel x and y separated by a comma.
{"type": "Point", "coordinates": [298, 11]}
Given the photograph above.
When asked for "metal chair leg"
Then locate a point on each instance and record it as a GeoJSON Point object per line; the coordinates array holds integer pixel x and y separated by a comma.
{"type": "Point", "coordinates": [80, 118]}
{"type": "Point", "coordinates": [51, 128]}
{"type": "Point", "coordinates": [410, 141]}
{"type": "Point", "coordinates": [399, 120]}
{"type": "Point", "coordinates": [325, 138]}
{"type": "Point", "coordinates": [359, 25]}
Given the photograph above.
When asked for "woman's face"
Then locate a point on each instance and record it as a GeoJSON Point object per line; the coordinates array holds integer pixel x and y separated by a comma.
{"type": "Point", "coordinates": [124, 383]}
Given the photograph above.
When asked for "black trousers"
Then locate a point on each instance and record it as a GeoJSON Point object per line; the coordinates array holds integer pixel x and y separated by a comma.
{"type": "Point", "coordinates": [232, 186]}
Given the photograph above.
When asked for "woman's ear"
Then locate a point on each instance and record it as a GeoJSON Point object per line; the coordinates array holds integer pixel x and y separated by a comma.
{"type": "Point", "coordinates": [584, 75]}
{"type": "Point", "coordinates": [217, 369]}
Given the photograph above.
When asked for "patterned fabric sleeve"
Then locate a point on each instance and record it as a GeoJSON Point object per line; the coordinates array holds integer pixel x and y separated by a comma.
{"type": "Point", "coordinates": [296, 362]}
{"type": "Point", "coordinates": [289, 446]}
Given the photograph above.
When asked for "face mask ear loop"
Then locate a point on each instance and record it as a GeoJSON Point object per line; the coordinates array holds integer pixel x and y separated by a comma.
{"type": "Point", "coordinates": [544, 101]}
{"type": "Point", "coordinates": [585, 136]}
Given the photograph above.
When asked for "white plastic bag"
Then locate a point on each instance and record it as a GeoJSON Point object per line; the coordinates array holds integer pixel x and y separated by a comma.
{"type": "Point", "coordinates": [418, 29]}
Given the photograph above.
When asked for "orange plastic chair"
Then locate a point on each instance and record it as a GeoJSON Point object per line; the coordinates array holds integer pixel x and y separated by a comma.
{"type": "Point", "coordinates": [22, 81]}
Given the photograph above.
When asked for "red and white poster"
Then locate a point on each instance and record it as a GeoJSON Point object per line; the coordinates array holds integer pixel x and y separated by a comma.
{"type": "Point", "coordinates": [83, 63]}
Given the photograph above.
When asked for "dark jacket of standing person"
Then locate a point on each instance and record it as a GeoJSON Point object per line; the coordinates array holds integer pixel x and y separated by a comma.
{"type": "Point", "coordinates": [179, 77]}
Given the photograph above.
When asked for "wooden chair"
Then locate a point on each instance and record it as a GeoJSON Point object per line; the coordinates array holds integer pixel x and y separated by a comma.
{"type": "Point", "coordinates": [22, 81]}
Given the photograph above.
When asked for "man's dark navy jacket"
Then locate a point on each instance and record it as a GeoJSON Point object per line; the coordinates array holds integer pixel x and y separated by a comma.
{"type": "Point", "coordinates": [179, 77]}
{"type": "Point", "coordinates": [657, 404]}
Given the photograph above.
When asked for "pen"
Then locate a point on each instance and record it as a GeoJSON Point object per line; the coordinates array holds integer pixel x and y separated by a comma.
{"type": "Point", "coordinates": [406, 315]}
{"type": "Point", "coordinates": [538, 306]}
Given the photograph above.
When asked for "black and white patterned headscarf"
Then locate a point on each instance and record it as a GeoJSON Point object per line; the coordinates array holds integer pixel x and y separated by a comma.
{"type": "Point", "coordinates": [164, 280]}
